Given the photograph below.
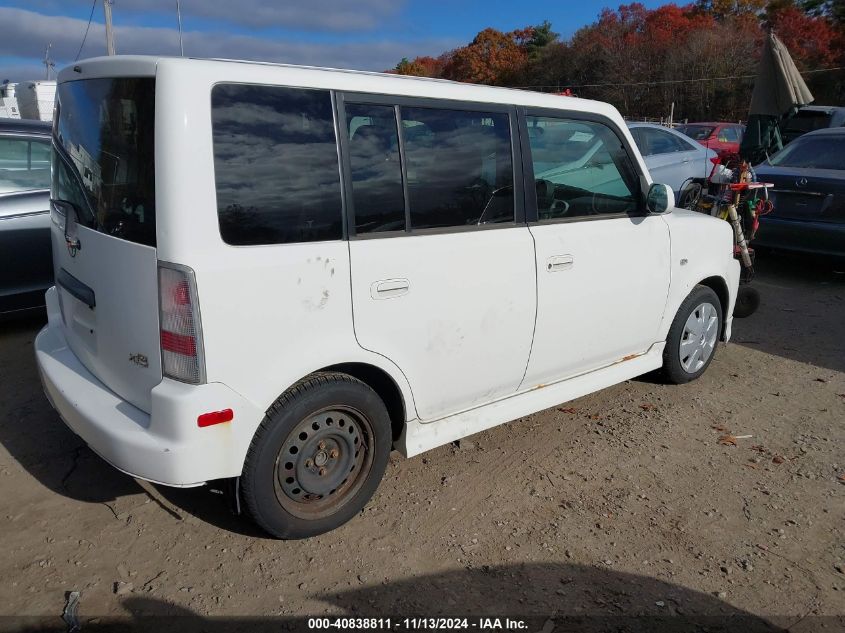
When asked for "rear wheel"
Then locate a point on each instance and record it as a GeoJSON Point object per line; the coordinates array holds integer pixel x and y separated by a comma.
{"type": "Point", "coordinates": [692, 339]}
{"type": "Point", "coordinates": [317, 457]}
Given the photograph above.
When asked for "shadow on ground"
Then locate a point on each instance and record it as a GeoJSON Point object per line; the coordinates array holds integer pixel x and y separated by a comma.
{"type": "Point", "coordinates": [545, 597]}
{"type": "Point", "coordinates": [36, 438]}
{"type": "Point", "coordinates": [801, 311]}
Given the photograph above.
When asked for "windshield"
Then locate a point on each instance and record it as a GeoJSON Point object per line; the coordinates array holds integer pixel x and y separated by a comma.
{"type": "Point", "coordinates": [696, 132]}
{"type": "Point", "coordinates": [814, 152]}
{"type": "Point", "coordinates": [103, 163]}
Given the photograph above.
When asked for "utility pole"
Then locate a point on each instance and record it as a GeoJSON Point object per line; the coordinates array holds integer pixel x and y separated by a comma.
{"type": "Point", "coordinates": [109, 30]}
{"type": "Point", "coordinates": [179, 18]}
{"type": "Point", "coordinates": [49, 64]}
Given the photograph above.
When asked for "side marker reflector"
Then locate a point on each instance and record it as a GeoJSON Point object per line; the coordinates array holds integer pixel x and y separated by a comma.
{"type": "Point", "coordinates": [215, 417]}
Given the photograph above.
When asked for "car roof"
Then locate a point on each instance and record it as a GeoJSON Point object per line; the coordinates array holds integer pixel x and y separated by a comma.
{"type": "Point", "coordinates": [365, 82]}
{"type": "Point", "coordinates": [25, 126]}
{"type": "Point", "coordinates": [820, 108]}
{"type": "Point", "coordinates": [825, 131]}
{"type": "Point", "coordinates": [713, 123]}
{"type": "Point", "coordinates": [647, 124]}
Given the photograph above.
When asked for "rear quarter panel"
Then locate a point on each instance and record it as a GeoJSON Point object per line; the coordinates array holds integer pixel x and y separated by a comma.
{"type": "Point", "coordinates": [270, 314]}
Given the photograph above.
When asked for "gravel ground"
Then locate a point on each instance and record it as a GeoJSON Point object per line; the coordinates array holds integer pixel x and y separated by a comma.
{"type": "Point", "coordinates": [623, 502]}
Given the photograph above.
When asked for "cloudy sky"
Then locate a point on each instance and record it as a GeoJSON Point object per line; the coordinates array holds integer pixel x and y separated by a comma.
{"type": "Point", "coordinates": [362, 34]}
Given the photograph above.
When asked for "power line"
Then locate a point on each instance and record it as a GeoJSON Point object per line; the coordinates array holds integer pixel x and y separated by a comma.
{"type": "Point", "coordinates": [85, 37]}
{"type": "Point", "coordinates": [668, 81]}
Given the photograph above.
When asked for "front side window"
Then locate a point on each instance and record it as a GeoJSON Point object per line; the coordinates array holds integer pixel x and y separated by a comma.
{"type": "Point", "coordinates": [459, 167]}
{"type": "Point", "coordinates": [104, 165]}
{"type": "Point", "coordinates": [581, 169]}
{"type": "Point", "coordinates": [24, 164]}
{"type": "Point", "coordinates": [275, 164]}
{"type": "Point", "coordinates": [377, 194]}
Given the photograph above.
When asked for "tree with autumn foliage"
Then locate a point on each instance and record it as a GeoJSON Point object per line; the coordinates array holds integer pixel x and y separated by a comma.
{"type": "Point", "coordinates": [424, 66]}
{"type": "Point", "coordinates": [702, 56]}
{"type": "Point", "coordinates": [492, 57]}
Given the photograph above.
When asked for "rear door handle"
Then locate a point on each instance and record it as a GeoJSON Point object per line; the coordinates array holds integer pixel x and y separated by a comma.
{"type": "Point", "coordinates": [559, 262]}
{"type": "Point", "coordinates": [389, 288]}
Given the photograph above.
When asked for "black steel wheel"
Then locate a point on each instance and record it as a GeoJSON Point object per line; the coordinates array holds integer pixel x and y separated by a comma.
{"type": "Point", "coordinates": [317, 457]}
{"type": "Point", "coordinates": [324, 461]}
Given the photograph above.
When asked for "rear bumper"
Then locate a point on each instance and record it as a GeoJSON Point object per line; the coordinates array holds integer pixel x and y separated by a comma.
{"type": "Point", "coordinates": [165, 446]}
{"type": "Point", "coordinates": [821, 238]}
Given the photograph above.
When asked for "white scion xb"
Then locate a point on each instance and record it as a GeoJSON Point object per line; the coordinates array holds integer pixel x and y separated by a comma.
{"type": "Point", "coordinates": [276, 274]}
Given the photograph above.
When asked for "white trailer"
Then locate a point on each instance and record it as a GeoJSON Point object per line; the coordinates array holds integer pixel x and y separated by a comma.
{"type": "Point", "coordinates": [8, 101]}
{"type": "Point", "coordinates": [35, 99]}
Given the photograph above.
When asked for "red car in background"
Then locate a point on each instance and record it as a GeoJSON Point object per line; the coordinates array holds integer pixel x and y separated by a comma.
{"type": "Point", "coordinates": [723, 138]}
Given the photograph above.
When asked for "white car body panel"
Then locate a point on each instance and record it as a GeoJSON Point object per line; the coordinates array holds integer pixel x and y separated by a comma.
{"type": "Point", "coordinates": [462, 295]}
{"type": "Point", "coordinates": [457, 345]}
{"type": "Point", "coordinates": [605, 298]}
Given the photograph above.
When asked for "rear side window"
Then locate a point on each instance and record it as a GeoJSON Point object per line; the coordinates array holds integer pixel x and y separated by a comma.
{"type": "Point", "coordinates": [276, 164]}
{"type": "Point", "coordinates": [660, 142]}
{"type": "Point", "coordinates": [459, 167]}
{"type": "Point", "coordinates": [376, 168]}
{"type": "Point", "coordinates": [24, 164]}
{"type": "Point", "coordinates": [696, 132]}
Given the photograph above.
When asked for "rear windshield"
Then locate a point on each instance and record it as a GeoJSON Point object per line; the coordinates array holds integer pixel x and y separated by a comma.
{"type": "Point", "coordinates": [104, 156]}
{"type": "Point", "coordinates": [696, 132]}
{"type": "Point", "coordinates": [813, 152]}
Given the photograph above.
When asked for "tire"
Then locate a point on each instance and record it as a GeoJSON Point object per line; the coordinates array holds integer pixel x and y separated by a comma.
{"type": "Point", "coordinates": [747, 302]}
{"type": "Point", "coordinates": [695, 327]}
{"type": "Point", "coordinates": [689, 196]}
{"type": "Point", "coordinates": [317, 457]}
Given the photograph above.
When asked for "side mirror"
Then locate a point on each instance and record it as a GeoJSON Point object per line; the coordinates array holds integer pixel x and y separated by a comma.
{"type": "Point", "coordinates": [660, 198]}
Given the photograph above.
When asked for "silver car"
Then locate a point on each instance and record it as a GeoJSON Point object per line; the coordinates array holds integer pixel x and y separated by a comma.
{"type": "Point", "coordinates": [673, 159]}
{"type": "Point", "coordinates": [26, 264]}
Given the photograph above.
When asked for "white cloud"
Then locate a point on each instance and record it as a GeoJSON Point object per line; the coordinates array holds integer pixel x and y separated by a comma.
{"type": "Point", "coordinates": [322, 15]}
{"type": "Point", "coordinates": [27, 33]}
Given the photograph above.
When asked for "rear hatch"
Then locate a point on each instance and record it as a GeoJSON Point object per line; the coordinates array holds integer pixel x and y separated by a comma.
{"type": "Point", "coordinates": [103, 231]}
{"type": "Point", "coordinates": [804, 194]}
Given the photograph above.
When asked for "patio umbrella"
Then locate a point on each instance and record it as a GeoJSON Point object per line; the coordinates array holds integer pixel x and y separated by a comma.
{"type": "Point", "coordinates": [779, 90]}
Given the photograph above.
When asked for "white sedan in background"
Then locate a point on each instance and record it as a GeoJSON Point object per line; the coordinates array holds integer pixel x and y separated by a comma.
{"type": "Point", "coordinates": [673, 159]}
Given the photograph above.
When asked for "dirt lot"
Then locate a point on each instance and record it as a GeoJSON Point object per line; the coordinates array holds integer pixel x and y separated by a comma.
{"type": "Point", "coordinates": [622, 502]}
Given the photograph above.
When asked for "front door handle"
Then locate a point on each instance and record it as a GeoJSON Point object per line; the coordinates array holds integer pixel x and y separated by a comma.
{"type": "Point", "coordinates": [559, 262]}
{"type": "Point", "coordinates": [389, 288]}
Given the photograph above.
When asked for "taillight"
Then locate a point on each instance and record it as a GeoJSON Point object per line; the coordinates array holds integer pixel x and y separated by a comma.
{"type": "Point", "coordinates": [181, 337]}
